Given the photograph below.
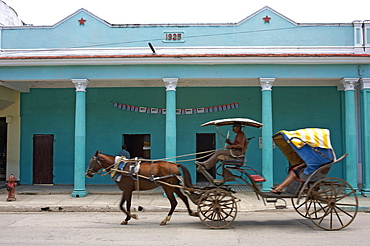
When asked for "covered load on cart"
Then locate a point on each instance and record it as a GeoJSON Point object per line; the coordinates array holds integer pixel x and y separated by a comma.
{"type": "Point", "coordinates": [330, 203]}
{"type": "Point", "coordinates": [311, 146]}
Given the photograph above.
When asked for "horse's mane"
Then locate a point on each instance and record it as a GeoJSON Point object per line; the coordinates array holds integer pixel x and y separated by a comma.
{"type": "Point", "coordinates": [98, 152]}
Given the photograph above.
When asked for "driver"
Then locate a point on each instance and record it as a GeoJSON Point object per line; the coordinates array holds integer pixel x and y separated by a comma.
{"type": "Point", "coordinates": [235, 147]}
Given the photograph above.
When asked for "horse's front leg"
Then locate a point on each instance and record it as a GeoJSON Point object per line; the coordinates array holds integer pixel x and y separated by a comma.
{"type": "Point", "coordinates": [126, 197]}
{"type": "Point", "coordinates": [128, 207]}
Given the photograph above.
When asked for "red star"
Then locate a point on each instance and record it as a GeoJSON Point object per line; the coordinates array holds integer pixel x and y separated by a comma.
{"type": "Point", "coordinates": [82, 21]}
{"type": "Point", "coordinates": [267, 19]}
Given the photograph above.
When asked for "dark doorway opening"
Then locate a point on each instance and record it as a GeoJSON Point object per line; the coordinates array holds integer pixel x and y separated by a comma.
{"type": "Point", "coordinates": [205, 142]}
{"type": "Point", "coordinates": [43, 155]}
{"type": "Point", "coordinates": [3, 147]}
{"type": "Point", "coordinates": [138, 145]}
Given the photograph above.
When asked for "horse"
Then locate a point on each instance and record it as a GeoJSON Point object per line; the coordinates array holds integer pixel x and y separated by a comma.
{"type": "Point", "coordinates": [166, 172]}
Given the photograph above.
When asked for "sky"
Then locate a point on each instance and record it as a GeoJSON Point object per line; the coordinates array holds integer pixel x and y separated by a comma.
{"type": "Point", "coordinates": [49, 12]}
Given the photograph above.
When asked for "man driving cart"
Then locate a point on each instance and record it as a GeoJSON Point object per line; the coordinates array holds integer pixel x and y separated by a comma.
{"type": "Point", "coordinates": [234, 149]}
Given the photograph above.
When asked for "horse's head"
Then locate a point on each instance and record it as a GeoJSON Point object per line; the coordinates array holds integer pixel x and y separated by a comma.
{"type": "Point", "coordinates": [95, 165]}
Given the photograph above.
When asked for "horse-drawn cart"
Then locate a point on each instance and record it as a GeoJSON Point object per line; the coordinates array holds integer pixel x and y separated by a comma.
{"type": "Point", "coordinates": [330, 203]}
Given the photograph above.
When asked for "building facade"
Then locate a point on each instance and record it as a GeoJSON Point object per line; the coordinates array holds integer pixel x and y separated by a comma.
{"type": "Point", "coordinates": [84, 84]}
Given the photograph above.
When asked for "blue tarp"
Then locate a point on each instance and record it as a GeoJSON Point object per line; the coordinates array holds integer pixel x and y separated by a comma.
{"type": "Point", "coordinates": [314, 157]}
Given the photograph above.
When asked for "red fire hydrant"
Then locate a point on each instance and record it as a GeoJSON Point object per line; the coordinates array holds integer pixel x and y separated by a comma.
{"type": "Point", "coordinates": [10, 187]}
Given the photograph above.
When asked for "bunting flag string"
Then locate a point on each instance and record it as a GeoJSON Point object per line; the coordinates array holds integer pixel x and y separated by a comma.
{"type": "Point", "coordinates": [186, 111]}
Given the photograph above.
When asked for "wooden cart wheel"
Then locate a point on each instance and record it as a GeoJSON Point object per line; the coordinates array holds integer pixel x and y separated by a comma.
{"type": "Point", "coordinates": [217, 208]}
{"type": "Point", "coordinates": [300, 207]}
{"type": "Point", "coordinates": [331, 204]}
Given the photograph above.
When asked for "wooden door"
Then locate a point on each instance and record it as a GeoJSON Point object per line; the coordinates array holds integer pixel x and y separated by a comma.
{"type": "Point", "coordinates": [205, 142]}
{"type": "Point", "coordinates": [43, 149]}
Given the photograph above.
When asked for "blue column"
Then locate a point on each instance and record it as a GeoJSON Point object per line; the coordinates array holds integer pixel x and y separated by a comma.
{"type": "Point", "coordinates": [80, 138]}
{"type": "Point", "coordinates": [170, 84]}
{"type": "Point", "coordinates": [350, 141]}
{"type": "Point", "coordinates": [267, 153]}
{"type": "Point", "coordinates": [365, 120]}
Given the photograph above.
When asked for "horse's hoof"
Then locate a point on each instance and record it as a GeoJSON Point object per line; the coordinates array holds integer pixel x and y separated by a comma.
{"type": "Point", "coordinates": [134, 216]}
{"type": "Point", "coordinates": [124, 222]}
{"type": "Point", "coordinates": [164, 222]}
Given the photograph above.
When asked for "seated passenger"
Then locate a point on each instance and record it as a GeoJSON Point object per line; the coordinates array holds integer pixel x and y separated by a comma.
{"type": "Point", "coordinates": [293, 174]}
{"type": "Point", "coordinates": [235, 147]}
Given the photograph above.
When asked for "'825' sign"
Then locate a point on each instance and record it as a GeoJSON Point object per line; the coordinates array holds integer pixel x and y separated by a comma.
{"type": "Point", "coordinates": [174, 37]}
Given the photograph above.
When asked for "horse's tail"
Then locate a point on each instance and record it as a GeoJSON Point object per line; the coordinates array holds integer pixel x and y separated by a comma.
{"type": "Point", "coordinates": [187, 177]}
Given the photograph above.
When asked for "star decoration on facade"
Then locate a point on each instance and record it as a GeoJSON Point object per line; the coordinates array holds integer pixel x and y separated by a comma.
{"type": "Point", "coordinates": [267, 19]}
{"type": "Point", "coordinates": [82, 21]}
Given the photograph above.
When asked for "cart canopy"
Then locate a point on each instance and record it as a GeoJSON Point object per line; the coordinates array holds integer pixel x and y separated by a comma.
{"type": "Point", "coordinates": [311, 146]}
{"type": "Point", "coordinates": [231, 121]}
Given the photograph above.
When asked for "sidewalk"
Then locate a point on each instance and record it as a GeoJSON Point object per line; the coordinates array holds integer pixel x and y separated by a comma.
{"type": "Point", "coordinates": [106, 198]}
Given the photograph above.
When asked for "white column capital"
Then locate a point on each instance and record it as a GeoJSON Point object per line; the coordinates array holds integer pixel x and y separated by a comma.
{"type": "Point", "coordinates": [170, 83]}
{"type": "Point", "coordinates": [266, 83]}
{"type": "Point", "coordinates": [80, 84]}
{"type": "Point", "coordinates": [348, 84]}
{"type": "Point", "coordinates": [364, 83]}
{"type": "Point", "coordinates": [357, 23]}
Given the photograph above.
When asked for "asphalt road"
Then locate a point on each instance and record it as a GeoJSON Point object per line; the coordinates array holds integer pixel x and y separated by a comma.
{"type": "Point", "coordinates": [99, 228]}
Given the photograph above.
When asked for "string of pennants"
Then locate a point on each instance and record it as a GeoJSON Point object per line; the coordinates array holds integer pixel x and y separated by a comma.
{"type": "Point", "coordinates": [211, 109]}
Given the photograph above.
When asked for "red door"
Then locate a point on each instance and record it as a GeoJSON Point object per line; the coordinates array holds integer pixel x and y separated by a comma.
{"type": "Point", "coordinates": [43, 150]}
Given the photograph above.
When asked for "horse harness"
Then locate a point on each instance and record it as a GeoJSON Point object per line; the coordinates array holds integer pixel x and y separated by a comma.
{"type": "Point", "coordinates": [134, 169]}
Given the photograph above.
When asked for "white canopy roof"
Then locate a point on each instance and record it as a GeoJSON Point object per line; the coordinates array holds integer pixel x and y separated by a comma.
{"type": "Point", "coordinates": [231, 121]}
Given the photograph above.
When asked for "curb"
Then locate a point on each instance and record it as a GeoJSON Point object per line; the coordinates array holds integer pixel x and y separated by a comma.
{"type": "Point", "coordinates": [83, 208]}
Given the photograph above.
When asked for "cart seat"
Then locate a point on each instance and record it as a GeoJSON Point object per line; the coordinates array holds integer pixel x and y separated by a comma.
{"type": "Point", "coordinates": [234, 162]}
{"type": "Point", "coordinates": [228, 160]}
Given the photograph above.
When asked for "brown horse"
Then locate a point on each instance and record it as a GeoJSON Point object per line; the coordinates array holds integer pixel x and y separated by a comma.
{"type": "Point", "coordinates": [166, 171]}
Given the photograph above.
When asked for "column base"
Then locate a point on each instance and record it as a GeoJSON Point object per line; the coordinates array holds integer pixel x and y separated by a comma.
{"type": "Point", "coordinates": [365, 193]}
{"type": "Point", "coordinates": [357, 191]}
{"type": "Point", "coordinates": [79, 193]}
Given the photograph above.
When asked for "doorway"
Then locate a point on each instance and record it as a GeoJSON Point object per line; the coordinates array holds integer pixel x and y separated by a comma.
{"type": "Point", "coordinates": [138, 145]}
{"type": "Point", "coordinates": [205, 142]}
{"type": "Point", "coordinates": [3, 147]}
{"type": "Point", "coordinates": [43, 155]}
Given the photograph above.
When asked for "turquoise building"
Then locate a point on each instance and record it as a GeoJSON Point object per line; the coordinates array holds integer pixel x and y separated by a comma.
{"type": "Point", "coordinates": [84, 84]}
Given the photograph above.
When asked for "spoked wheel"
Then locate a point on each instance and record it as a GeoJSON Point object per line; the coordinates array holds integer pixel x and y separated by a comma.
{"type": "Point", "coordinates": [331, 204]}
{"type": "Point", "coordinates": [300, 207]}
{"type": "Point", "coordinates": [217, 208]}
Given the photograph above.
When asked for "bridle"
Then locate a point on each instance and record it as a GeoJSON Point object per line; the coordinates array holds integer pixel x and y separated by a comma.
{"type": "Point", "coordinates": [91, 170]}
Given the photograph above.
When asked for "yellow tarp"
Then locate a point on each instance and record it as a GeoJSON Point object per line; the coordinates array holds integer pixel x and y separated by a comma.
{"type": "Point", "coordinates": [315, 137]}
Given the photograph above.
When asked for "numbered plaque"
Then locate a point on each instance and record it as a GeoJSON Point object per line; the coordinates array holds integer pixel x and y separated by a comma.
{"type": "Point", "coordinates": [173, 36]}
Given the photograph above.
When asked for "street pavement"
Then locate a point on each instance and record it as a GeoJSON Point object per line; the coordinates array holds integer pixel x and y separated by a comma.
{"type": "Point", "coordinates": [106, 198]}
